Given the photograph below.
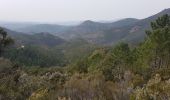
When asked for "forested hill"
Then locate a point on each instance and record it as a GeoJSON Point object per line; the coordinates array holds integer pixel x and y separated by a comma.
{"type": "Point", "coordinates": [41, 39]}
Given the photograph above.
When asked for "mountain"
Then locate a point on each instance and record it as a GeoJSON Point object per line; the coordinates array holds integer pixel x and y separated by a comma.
{"type": "Point", "coordinates": [91, 30]}
{"type": "Point", "coordinates": [136, 32]}
{"type": "Point", "coordinates": [15, 25]}
{"type": "Point", "coordinates": [69, 32]}
{"type": "Point", "coordinates": [42, 39]}
{"type": "Point", "coordinates": [49, 28]}
{"type": "Point", "coordinates": [128, 30]}
{"type": "Point", "coordinates": [124, 22]}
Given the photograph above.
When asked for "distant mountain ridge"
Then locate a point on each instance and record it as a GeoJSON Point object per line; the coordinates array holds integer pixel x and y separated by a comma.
{"type": "Point", "coordinates": [41, 39]}
{"type": "Point", "coordinates": [49, 28]}
{"type": "Point", "coordinates": [130, 30]}
{"type": "Point", "coordinates": [90, 30]}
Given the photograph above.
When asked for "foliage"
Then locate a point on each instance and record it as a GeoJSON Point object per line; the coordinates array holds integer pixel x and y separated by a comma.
{"type": "Point", "coordinates": [159, 38]}
{"type": "Point", "coordinates": [4, 40]}
{"type": "Point", "coordinates": [36, 56]}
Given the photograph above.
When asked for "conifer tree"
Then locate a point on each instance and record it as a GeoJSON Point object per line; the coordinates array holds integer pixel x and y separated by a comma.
{"type": "Point", "coordinates": [4, 40]}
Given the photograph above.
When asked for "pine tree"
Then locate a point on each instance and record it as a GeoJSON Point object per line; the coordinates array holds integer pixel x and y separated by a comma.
{"type": "Point", "coordinates": [4, 40]}
{"type": "Point", "coordinates": [159, 38]}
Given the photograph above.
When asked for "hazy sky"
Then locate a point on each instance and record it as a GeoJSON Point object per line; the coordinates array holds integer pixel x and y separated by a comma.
{"type": "Point", "coordinates": [76, 10]}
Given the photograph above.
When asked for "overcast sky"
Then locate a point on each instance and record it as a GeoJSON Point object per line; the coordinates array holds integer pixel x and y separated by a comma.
{"type": "Point", "coordinates": [78, 10]}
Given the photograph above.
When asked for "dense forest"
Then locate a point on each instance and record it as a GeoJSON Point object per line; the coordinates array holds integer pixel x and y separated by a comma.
{"type": "Point", "coordinates": [78, 70]}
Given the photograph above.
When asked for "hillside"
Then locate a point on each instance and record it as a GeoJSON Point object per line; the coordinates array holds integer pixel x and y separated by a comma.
{"type": "Point", "coordinates": [94, 31]}
{"type": "Point", "coordinates": [129, 30]}
{"type": "Point", "coordinates": [41, 39]}
{"type": "Point", "coordinates": [136, 32]}
{"type": "Point", "coordinates": [38, 28]}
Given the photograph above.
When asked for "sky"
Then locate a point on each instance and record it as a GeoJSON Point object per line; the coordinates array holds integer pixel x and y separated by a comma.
{"type": "Point", "coordinates": [78, 10]}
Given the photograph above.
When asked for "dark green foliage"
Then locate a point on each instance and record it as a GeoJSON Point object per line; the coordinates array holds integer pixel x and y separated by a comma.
{"type": "Point", "coordinates": [77, 49]}
{"type": "Point", "coordinates": [4, 40]}
{"type": "Point", "coordinates": [111, 62]}
{"type": "Point", "coordinates": [40, 39]}
{"type": "Point", "coordinates": [36, 56]}
{"type": "Point", "coordinates": [159, 39]}
{"type": "Point", "coordinates": [161, 22]}
{"type": "Point", "coordinates": [117, 61]}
